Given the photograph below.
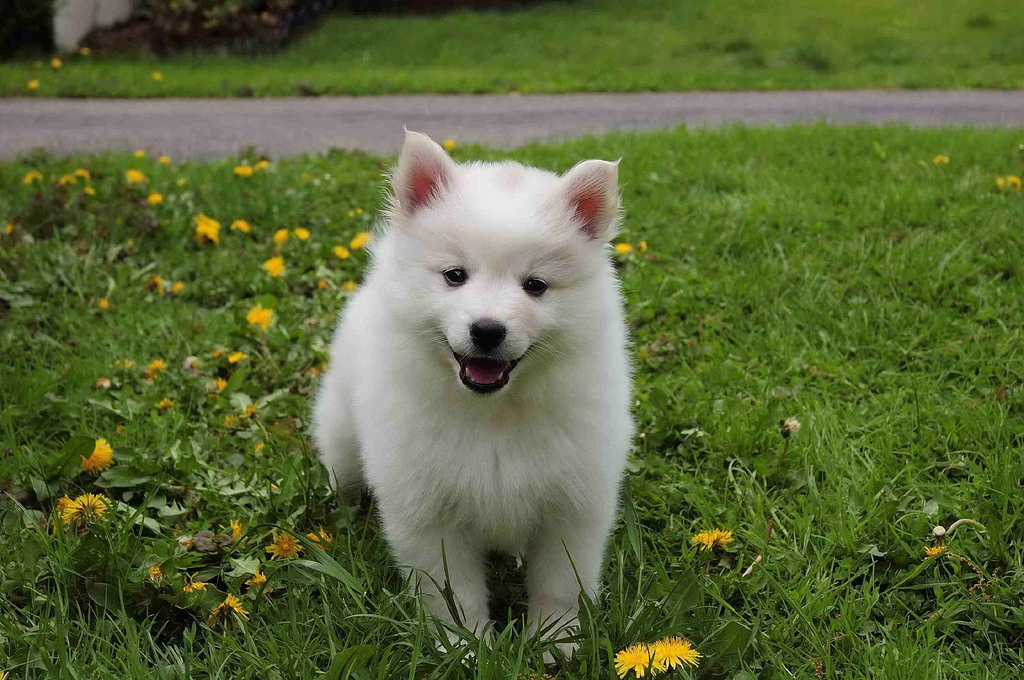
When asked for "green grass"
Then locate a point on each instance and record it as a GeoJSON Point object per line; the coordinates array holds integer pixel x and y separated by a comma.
{"type": "Point", "coordinates": [832, 275]}
{"type": "Point", "coordinates": [592, 45]}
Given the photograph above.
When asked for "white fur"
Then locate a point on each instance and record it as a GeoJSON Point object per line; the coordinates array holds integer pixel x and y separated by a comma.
{"type": "Point", "coordinates": [533, 469]}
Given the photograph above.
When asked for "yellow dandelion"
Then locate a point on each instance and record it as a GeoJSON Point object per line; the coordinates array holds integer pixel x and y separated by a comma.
{"type": "Point", "coordinates": [623, 248]}
{"type": "Point", "coordinates": [448, 144]}
{"type": "Point", "coordinates": [301, 234]}
{"type": "Point", "coordinates": [259, 447]}
{"type": "Point", "coordinates": [9, 228]}
{"type": "Point", "coordinates": [207, 229]}
{"type": "Point", "coordinates": [236, 529]}
{"type": "Point", "coordinates": [258, 579]}
{"type": "Point", "coordinates": [941, 159]}
{"type": "Point", "coordinates": [154, 365]}
{"type": "Point", "coordinates": [82, 173]}
{"type": "Point", "coordinates": [67, 179]}
{"type": "Point", "coordinates": [155, 198]}
{"type": "Point", "coordinates": [32, 176]}
{"type": "Point", "coordinates": [284, 546]}
{"type": "Point", "coordinates": [85, 508]}
{"type": "Point", "coordinates": [235, 357]}
{"type": "Point", "coordinates": [934, 550]}
{"type": "Point", "coordinates": [218, 353]}
{"type": "Point", "coordinates": [56, 64]}
{"type": "Point", "coordinates": [342, 252]}
{"type": "Point", "coordinates": [155, 572]}
{"type": "Point", "coordinates": [220, 384]}
{"type": "Point", "coordinates": [280, 236]}
{"type": "Point", "coordinates": [642, 246]}
{"type": "Point", "coordinates": [140, 153]}
{"type": "Point", "coordinates": [241, 225]}
{"type": "Point", "coordinates": [89, 191]}
{"type": "Point", "coordinates": [243, 171]}
{"type": "Point", "coordinates": [194, 586]}
{"type": "Point", "coordinates": [104, 303]}
{"type": "Point", "coordinates": [321, 284]}
{"type": "Point", "coordinates": [360, 240]}
{"type": "Point", "coordinates": [33, 84]}
{"type": "Point", "coordinates": [321, 536]}
{"type": "Point", "coordinates": [1013, 182]}
{"type": "Point", "coordinates": [674, 652]}
{"type": "Point", "coordinates": [1000, 182]}
{"type": "Point", "coordinates": [164, 160]}
{"type": "Point", "coordinates": [230, 421]}
{"type": "Point", "coordinates": [84, 51]}
{"type": "Point", "coordinates": [638, 658]}
{"type": "Point", "coordinates": [359, 211]}
{"type": "Point", "coordinates": [135, 177]}
{"type": "Point", "coordinates": [712, 539]}
{"type": "Point", "coordinates": [177, 287]}
{"type": "Point", "coordinates": [165, 404]}
{"type": "Point", "coordinates": [262, 164]}
{"type": "Point", "coordinates": [274, 266]}
{"type": "Point", "coordinates": [230, 605]}
{"type": "Point", "coordinates": [260, 316]}
{"type": "Point", "coordinates": [101, 458]}
{"type": "Point", "coordinates": [157, 76]}
{"type": "Point", "coordinates": [181, 181]}
{"type": "Point", "coordinates": [349, 286]}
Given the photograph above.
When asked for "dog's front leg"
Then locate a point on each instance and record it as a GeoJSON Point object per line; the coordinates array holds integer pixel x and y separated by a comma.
{"type": "Point", "coordinates": [552, 580]}
{"type": "Point", "coordinates": [427, 551]}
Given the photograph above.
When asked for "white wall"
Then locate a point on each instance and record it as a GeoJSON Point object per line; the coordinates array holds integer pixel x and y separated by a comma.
{"type": "Point", "coordinates": [75, 18]}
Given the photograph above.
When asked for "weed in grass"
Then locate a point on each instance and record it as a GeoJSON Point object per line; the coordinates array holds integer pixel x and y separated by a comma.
{"type": "Point", "coordinates": [836, 275]}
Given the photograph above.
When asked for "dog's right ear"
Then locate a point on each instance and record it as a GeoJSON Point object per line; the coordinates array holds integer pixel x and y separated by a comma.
{"type": "Point", "coordinates": [423, 173]}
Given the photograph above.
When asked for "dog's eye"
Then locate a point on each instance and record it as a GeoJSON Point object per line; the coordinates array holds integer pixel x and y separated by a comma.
{"type": "Point", "coordinates": [535, 287]}
{"type": "Point", "coordinates": [454, 276]}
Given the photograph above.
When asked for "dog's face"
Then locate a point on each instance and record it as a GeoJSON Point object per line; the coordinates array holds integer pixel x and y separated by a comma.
{"type": "Point", "coordinates": [498, 259]}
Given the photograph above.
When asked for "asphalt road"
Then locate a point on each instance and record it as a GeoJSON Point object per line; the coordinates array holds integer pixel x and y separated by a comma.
{"type": "Point", "coordinates": [207, 128]}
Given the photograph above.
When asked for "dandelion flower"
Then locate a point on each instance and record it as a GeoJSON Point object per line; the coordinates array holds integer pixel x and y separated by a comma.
{"type": "Point", "coordinates": [448, 144]}
{"type": "Point", "coordinates": [194, 586]}
{"type": "Point", "coordinates": [790, 426]}
{"type": "Point", "coordinates": [82, 173]}
{"type": "Point", "coordinates": [56, 64]}
{"type": "Point", "coordinates": [274, 266]}
{"type": "Point", "coordinates": [674, 652]}
{"type": "Point", "coordinates": [135, 177]}
{"type": "Point", "coordinates": [220, 384]}
{"type": "Point", "coordinates": [140, 154]}
{"type": "Point", "coordinates": [1013, 182]}
{"type": "Point", "coordinates": [207, 229]}
{"type": "Point", "coordinates": [711, 539]}
{"type": "Point", "coordinates": [637, 658]}
{"type": "Point", "coordinates": [157, 283]}
{"type": "Point", "coordinates": [260, 316]}
{"type": "Point", "coordinates": [263, 164]}
{"type": "Point", "coordinates": [155, 365]}
{"type": "Point", "coordinates": [32, 176]}
{"type": "Point", "coordinates": [104, 303]}
{"type": "Point", "coordinates": [101, 458]}
{"type": "Point", "coordinates": [68, 179]}
{"type": "Point", "coordinates": [165, 404]}
{"type": "Point", "coordinates": [342, 252]}
{"type": "Point", "coordinates": [934, 550]}
{"type": "Point", "coordinates": [155, 198]}
{"type": "Point", "coordinates": [320, 536]}
{"type": "Point", "coordinates": [236, 529]}
{"type": "Point", "coordinates": [258, 579]}
{"type": "Point", "coordinates": [157, 76]}
{"type": "Point", "coordinates": [103, 384]}
{"type": "Point", "coordinates": [243, 171]}
{"type": "Point", "coordinates": [623, 248]}
{"type": "Point", "coordinates": [1000, 182]}
{"type": "Point", "coordinates": [280, 236]}
{"type": "Point", "coordinates": [321, 284]}
{"type": "Point", "coordinates": [177, 287]}
{"type": "Point", "coordinates": [230, 605]}
{"type": "Point", "coordinates": [89, 191]}
{"type": "Point", "coordinates": [241, 225]}
{"type": "Point", "coordinates": [302, 234]}
{"type": "Point", "coordinates": [349, 286]}
{"type": "Point", "coordinates": [155, 572]}
{"type": "Point", "coordinates": [84, 51]}
{"type": "Point", "coordinates": [230, 421]}
{"type": "Point", "coordinates": [164, 160]}
{"type": "Point", "coordinates": [940, 159]}
{"type": "Point", "coordinates": [235, 357]}
{"type": "Point", "coordinates": [284, 546]}
{"type": "Point", "coordinates": [642, 246]}
{"type": "Point", "coordinates": [360, 240]}
{"type": "Point", "coordinates": [33, 84]}
{"type": "Point", "coordinates": [85, 508]}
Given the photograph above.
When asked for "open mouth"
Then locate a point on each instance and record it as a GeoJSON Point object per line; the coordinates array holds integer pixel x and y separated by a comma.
{"type": "Point", "coordinates": [483, 374]}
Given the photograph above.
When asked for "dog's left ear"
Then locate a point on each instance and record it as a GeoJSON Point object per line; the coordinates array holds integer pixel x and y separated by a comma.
{"type": "Point", "coordinates": [424, 172]}
{"type": "Point", "coordinates": [591, 189]}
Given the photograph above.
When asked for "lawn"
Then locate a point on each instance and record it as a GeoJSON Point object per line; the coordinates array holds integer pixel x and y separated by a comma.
{"type": "Point", "coordinates": [589, 45]}
{"type": "Point", "coordinates": [847, 278]}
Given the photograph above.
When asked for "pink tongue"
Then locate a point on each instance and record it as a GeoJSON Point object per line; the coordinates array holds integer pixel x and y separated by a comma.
{"type": "Point", "coordinates": [485, 371]}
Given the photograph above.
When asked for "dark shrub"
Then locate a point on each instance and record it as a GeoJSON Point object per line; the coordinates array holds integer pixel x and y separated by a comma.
{"type": "Point", "coordinates": [25, 25]}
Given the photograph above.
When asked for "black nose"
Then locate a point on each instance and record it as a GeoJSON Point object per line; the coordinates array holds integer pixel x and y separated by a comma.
{"type": "Point", "coordinates": [487, 334]}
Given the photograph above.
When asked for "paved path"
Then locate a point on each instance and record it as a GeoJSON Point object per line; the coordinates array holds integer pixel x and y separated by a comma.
{"type": "Point", "coordinates": [204, 128]}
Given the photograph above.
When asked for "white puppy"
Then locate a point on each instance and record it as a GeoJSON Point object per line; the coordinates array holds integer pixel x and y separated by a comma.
{"type": "Point", "coordinates": [479, 381]}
